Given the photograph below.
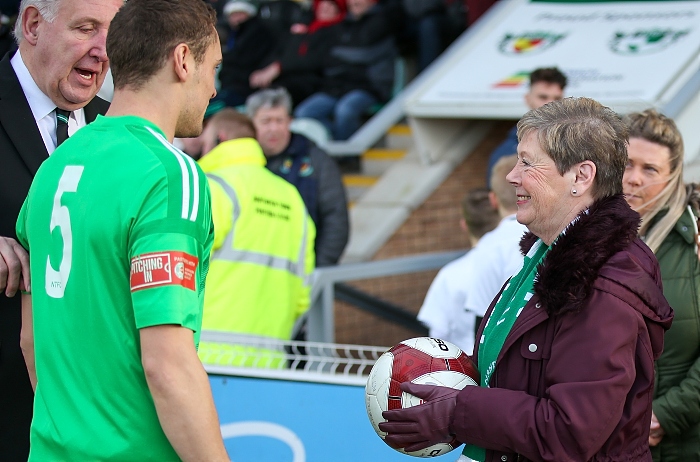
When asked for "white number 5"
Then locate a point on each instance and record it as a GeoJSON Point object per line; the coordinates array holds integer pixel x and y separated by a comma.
{"type": "Point", "coordinates": [56, 280]}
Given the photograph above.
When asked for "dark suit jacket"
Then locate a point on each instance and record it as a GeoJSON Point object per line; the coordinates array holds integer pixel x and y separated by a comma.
{"type": "Point", "coordinates": [22, 151]}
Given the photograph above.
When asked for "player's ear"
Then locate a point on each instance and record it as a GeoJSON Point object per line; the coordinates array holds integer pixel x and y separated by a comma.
{"type": "Point", "coordinates": [182, 61]}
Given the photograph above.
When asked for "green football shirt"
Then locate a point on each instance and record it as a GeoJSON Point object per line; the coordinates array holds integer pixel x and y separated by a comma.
{"type": "Point", "coordinates": [119, 230]}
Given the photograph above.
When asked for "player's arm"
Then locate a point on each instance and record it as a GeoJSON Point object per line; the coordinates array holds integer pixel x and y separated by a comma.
{"type": "Point", "coordinates": [26, 338]}
{"type": "Point", "coordinates": [181, 393]}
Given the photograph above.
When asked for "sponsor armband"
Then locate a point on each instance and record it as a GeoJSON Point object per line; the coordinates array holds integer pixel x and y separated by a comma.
{"type": "Point", "coordinates": [157, 269]}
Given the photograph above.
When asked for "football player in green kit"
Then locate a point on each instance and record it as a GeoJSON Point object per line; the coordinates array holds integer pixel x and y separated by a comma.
{"type": "Point", "coordinates": [118, 227]}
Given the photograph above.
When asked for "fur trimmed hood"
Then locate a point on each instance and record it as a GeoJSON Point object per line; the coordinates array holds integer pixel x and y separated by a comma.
{"type": "Point", "coordinates": [567, 274]}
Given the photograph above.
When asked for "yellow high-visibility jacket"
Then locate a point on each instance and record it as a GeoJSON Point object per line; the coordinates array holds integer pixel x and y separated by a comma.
{"type": "Point", "coordinates": [263, 254]}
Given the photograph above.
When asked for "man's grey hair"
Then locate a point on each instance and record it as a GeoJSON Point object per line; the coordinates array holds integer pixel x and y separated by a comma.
{"type": "Point", "coordinates": [268, 98]}
{"type": "Point", "coordinates": [48, 9]}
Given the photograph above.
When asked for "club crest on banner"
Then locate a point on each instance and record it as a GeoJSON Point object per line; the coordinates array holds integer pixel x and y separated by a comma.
{"type": "Point", "coordinates": [528, 43]}
{"type": "Point", "coordinates": [645, 41]}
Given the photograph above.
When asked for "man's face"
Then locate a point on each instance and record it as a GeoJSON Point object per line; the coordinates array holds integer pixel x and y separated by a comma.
{"type": "Point", "coordinates": [327, 10]}
{"type": "Point", "coordinates": [68, 57]}
{"type": "Point", "coordinates": [201, 90]}
{"type": "Point", "coordinates": [359, 7]}
{"type": "Point", "coordinates": [542, 93]}
{"type": "Point", "coordinates": [237, 18]}
{"type": "Point", "coordinates": [272, 126]}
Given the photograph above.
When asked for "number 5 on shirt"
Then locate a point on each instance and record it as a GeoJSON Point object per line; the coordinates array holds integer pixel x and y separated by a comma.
{"type": "Point", "coordinates": [60, 218]}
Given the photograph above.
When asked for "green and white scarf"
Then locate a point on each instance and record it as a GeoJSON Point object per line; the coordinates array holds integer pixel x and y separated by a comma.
{"type": "Point", "coordinates": [507, 309]}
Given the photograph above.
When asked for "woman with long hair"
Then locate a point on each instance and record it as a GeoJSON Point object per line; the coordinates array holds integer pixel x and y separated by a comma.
{"type": "Point", "coordinates": [653, 186]}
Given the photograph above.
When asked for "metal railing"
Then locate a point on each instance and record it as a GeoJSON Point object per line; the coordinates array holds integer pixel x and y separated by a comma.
{"type": "Point", "coordinates": [245, 355]}
{"type": "Point", "coordinates": [321, 317]}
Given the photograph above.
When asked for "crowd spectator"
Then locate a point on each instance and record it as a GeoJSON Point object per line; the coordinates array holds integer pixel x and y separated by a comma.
{"type": "Point", "coordinates": [248, 44]}
{"type": "Point", "coordinates": [653, 186]}
{"type": "Point", "coordinates": [359, 70]}
{"type": "Point", "coordinates": [52, 71]}
{"type": "Point", "coordinates": [443, 308]}
{"type": "Point", "coordinates": [114, 316]}
{"type": "Point", "coordinates": [297, 64]}
{"type": "Point", "coordinates": [433, 26]}
{"type": "Point", "coordinates": [546, 84]}
{"type": "Point", "coordinates": [299, 161]}
{"type": "Point", "coordinates": [258, 282]}
{"type": "Point", "coordinates": [281, 16]}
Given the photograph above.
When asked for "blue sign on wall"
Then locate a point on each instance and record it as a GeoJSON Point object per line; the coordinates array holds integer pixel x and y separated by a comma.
{"type": "Point", "coordinates": [286, 421]}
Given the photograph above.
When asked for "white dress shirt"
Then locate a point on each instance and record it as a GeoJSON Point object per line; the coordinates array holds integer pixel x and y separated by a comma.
{"type": "Point", "coordinates": [42, 107]}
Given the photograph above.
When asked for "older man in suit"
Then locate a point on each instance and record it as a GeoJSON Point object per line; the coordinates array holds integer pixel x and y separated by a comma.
{"type": "Point", "coordinates": [47, 92]}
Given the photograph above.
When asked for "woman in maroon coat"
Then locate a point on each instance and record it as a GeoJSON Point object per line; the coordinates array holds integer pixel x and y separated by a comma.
{"type": "Point", "coordinates": [566, 351]}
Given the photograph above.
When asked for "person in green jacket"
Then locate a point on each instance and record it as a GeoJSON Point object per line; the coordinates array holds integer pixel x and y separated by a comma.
{"type": "Point", "coordinates": [653, 186]}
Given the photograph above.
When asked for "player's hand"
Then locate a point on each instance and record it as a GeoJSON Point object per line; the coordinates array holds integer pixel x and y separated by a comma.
{"type": "Point", "coordinates": [418, 427]}
{"type": "Point", "coordinates": [14, 267]}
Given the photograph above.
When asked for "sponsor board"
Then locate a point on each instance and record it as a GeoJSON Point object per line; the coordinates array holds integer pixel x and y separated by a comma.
{"type": "Point", "coordinates": [617, 52]}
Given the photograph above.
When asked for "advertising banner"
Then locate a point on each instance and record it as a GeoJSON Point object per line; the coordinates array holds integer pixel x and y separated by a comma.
{"type": "Point", "coordinates": [615, 52]}
{"type": "Point", "coordinates": [287, 421]}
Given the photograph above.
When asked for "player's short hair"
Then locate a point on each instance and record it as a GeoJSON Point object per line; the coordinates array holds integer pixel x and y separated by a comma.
{"type": "Point", "coordinates": [268, 98]}
{"type": "Point", "coordinates": [504, 191]}
{"type": "Point", "coordinates": [549, 75]}
{"type": "Point", "coordinates": [478, 212]}
{"type": "Point", "coordinates": [144, 33]}
{"type": "Point", "coordinates": [231, 124]}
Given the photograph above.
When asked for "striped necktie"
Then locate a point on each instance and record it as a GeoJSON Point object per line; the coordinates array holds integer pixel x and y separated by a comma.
{"type": "Point", "coordinates": [61, 125]}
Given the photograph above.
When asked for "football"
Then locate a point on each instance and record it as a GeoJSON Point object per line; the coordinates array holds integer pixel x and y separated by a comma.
{"type": "Point", "coordinates": [421, 360]}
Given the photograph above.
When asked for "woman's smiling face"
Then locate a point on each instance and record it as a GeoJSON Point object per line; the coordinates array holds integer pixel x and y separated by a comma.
{"type": "Point", "coordinates": [543, 194]}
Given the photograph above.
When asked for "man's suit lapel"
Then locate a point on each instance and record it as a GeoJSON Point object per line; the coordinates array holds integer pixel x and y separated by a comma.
{"type": "Point", "coordinates": [17, 119]}
{"type": "Point", "coordinates": [96, 107]}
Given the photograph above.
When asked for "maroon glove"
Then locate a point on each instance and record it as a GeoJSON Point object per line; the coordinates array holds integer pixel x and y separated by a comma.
{"type": "Point", "coordinates": [418, 427]}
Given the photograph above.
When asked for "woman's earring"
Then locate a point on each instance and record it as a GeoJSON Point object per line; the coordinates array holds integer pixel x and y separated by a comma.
{"type": "Point", "coordinates": [573, 191]}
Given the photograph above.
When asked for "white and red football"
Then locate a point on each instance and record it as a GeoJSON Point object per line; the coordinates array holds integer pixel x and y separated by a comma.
{"type": "Point", "coordinates": [422, 360]}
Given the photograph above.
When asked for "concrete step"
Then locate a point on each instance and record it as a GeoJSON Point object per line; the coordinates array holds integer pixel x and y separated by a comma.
{"type": "Point", "coordinates": [374, 163]}
{"type": "Point", "coordinates": [356, 185]}
{"type": "Point", "coordinates": [377, 161]}
{"type": "Point", "coordinates": [399, 137]}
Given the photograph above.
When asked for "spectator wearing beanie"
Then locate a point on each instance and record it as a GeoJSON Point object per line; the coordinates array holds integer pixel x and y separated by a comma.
{"type": "Point", "coordinates": [249, 42]}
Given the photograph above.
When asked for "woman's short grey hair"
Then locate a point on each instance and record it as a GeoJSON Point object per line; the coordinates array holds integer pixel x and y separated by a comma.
{"type": "Point", "coordinates": [573, 130]}
{"type": "Point", "coordinates": [268, 98]}
{"type": "Point", "coordinates": [48, 9]}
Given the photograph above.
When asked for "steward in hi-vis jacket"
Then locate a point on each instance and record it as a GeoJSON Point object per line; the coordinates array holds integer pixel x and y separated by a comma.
{"type": "Point", "coordinates": [263, 254]}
